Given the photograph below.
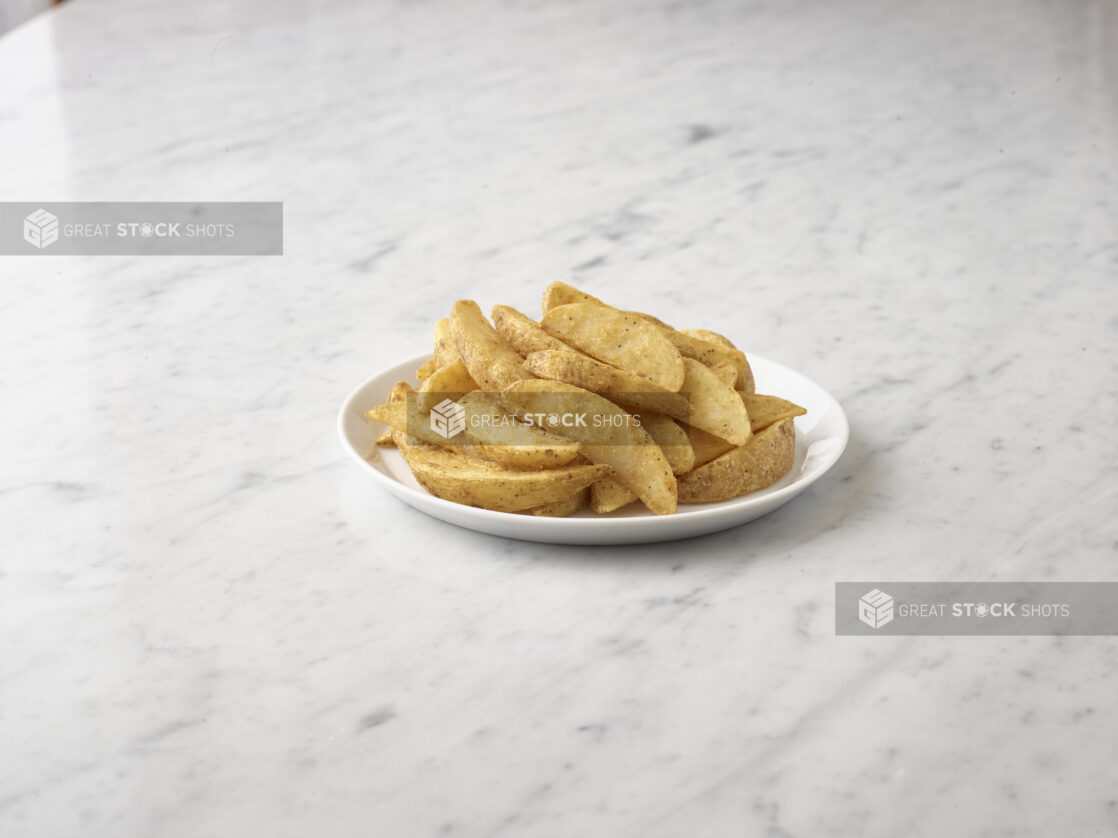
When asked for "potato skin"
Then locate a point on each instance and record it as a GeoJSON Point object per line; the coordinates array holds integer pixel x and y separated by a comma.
{"type": "Point", "coordinates": [762, 461]}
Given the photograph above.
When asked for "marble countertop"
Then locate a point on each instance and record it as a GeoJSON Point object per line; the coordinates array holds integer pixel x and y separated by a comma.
{"type": "Point", "coordinates": [212, 624]}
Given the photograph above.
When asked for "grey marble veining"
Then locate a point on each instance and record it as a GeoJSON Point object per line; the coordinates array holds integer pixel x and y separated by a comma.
{"type": "Point", "coordinates": [211, 624]}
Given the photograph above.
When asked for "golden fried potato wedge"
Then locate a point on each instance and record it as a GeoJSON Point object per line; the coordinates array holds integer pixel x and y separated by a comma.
{"type": "Point", "coordinates": [624, 340]}
{"type": "Point", "coordinates": [426, 369]}
{"type": "Point", "coordinates": [513, 445]}
{"type": "Point", "coordinates": [395, 414]}
{"type": "Point", "coordinates": [745, 373]}
{"type": "Point", "coordinates": [726, 371]}
{"type": "Point", "coordinates": [608, 436]}
{"type": "Point", "coordinates": [714, 350]}
{"type": "Point", "coordinates": [523, 333]}
{"type": "Point", "coordinates": [561, 294]}
{"type": "Point", "coordinates": [607, 494]}
{"type": "Point", "coordinates": [715, 406]}
{"type": "Point", "coordinates": [385, 440]}
{"type": "Point", "coordinates": [759, 463]}
{"type": "Point", "coordinates": [446, 351]}
{"type": "Point", "coordinates": [708, 347]}
{"type": "Point", "coordinates": [454, 477]}
{"type": "Point", "coordinates": [492, 363]}
{"type": "Point", "coordinates": [706, 446]}
{"type": "Point", "coordinates": [562, 508]}
{"type": "Point", "coordinates": [446, 382]}
{"type": "Point", "coordinates": [506, 440]}
{"type": "Point", "coordinates": [671, 438]}
{"type": "Point", "coordinates": [768, 410]}
{"type": "Point", "coordinates": [621, 386]}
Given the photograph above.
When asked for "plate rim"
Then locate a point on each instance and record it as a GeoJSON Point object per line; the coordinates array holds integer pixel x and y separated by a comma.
{"type": "Point", "coordinates": [711, 511]}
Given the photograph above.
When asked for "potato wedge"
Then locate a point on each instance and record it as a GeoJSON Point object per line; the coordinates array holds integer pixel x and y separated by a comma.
{"type": "Point", "coordinates": [492, 363]}
{"type": "Point", "coordinates": [708, 347]}
{"type": "Point", "coordinates": [709, 337]}
{"type": "Point", "coordinates": [446, 351]}
{"type": "Point", "coordinates": [715, 406]}
{"type": "Point", "coordinates": [512, 443]}
{"type": "Point", "coordinates": [561, 294]}
{"type": "Point", "coordinates": [450, 381]}
{"type": "Point", "coordinates": [618, 338]}
{"type": "Point", "coordinates": [616, 442]}
{"type": "Point", "coordinates": [671, 438]}
{"type": "Point", "coordinates": [426, 369]}
{"type": "Point", "coordinates": [562, 508]}
{"type": "Point", "coordinates": [759, 463]}
{"type": "Point", "coordinates": [767, 410]}
{"type": "Point", "coordinates": [454, 477]}
{"type": "Point", "coordinates": [522, 333]}
{"type": "Point", "coordinates": [395, 415]}
{"type": "Point", "coordinates": [713, 353]}
{"type": "Point", "coordinates": [607, 494]}
{"type": "Point", "coordinates": [706, 446]}
{"type": "Point", "coordinates": [618, 385]}
{"type": "Point", "coordinates": [745, 373]}
{"type": "Point", "coordinates": [385, 440]}
{"type": "Point", "coordinates": [726, 371]}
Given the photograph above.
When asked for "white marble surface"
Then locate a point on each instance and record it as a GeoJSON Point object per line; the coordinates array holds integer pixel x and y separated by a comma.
{"type": "Point", "coordinates": [212, 625]}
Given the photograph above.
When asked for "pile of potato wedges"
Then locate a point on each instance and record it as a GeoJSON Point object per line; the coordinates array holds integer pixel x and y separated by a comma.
{"type": "Point", "coordinates": [590, 405]}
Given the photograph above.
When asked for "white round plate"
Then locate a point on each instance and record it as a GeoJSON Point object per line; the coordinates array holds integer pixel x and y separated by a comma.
{"type": "Point", "coordinates": [821, 436]}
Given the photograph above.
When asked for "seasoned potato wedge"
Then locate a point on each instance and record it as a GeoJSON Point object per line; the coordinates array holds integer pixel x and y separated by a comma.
{"type": "Point", "coordinates": [511, 442]}
{"type": "Point", "coordinates": [426, 369]}
{"type": "Point", "coordinates": [451, 380]}
{"type": "Point", "coordinates": [452, 476]}
{"type": "Point", "coordinates": [671, 438]}
{"type": "Point", "coordinates": [492, 363]}
{"type": "Point", "coordinates": [726, 371]}
{"type": "Point", "coordinates": [708, 347]}
{"type": "Point", "coordinates": [767, 410]}
{"type": "Point", "coordinates": [385, 440]}
{"type": "Point", "coordinates": [608, 494]}
{"type": "Point", "coordinates": [759, 463]}
{"type": "Point", "coordinates": [560, 294]}
{"type": "Point", "coordinates": [715, 406]}
{"type": "Point", "coordinates": [618, 338]}
{"type": "Point", "coordinates": [706, 446]}
{"type": "Point", "coordinates": [522, 333]}
{"type": "Point", "coordinates": [624, 446]}
{"type": "Point", "coordinates": [562, 508]}
{"type": "Point", "coordinates": [618, 385]}
{"type": "Point", "coordinates": [446, 351]}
